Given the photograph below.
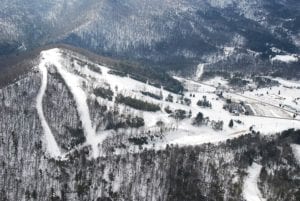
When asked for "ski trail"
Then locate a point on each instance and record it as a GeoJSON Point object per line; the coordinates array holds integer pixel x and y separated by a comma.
{"type": "Point", "coordinates": [50, 141]}
{"type": "Point", "coordinates": [252, 108]}
{"type": "Point", "coordinates": [73, 83]}
{"type": "Point", "coordinates": [250, 188]}
{"type": "Point", "coordinates": [274, 113]}
{"type": "Point", "coordinates": [296, 152]}
{"type": "Point", "coordinates": [200, 71]}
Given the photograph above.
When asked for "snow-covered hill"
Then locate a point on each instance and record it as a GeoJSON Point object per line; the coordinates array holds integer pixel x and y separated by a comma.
{"type": "Point", "coordinates": [74, 129]}
{"type": "Point", "coordinates": [174, 119]}
{"type": "Point", "coordinates": [167, 33]}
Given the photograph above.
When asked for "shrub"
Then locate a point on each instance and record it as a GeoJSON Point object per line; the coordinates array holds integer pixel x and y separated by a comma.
{"type": "Point", "coordinates": [104, 93]}
{"type": "Point", "coordinates": [77, 136]}
{"type": "Point", "coordinates": [138, 141]}
{"type": "Point", "coordinates": [137, 104]}
{"type": "Point", "coordinates": [199, 119]}
{"type": "Point", "coordinates": [169, 98]}
{"type": "Point", "coordinates": [187, 101]}
{"type": "Point", "coordinates": [152, 95]}
{"type": "Point", "coordinates": [138, 78]}
{"type": "Point", "coordinates": [118, 73]}
{"type": "Point", "coordinates": [135, 122]}
{"type": "Point", "coordinates": [94, 68]}
{"type": "Point", "coordinates": [179, 114]}
{"type": "Point", "coordinates": [168, 110]}
{"type": "Point", "coordinates": [204, 102]}
{"type": "Point", "coordinates": [217, 125]}
{"type": "Point", "coordinates": [237, 81]}
{"type": "Point", "coordinates": [160, 123]}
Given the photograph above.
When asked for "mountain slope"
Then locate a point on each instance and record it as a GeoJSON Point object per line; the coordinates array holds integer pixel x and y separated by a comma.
{"type": "Point", "coordinates": [165, 33]}
{"type": "Point", "coordinates": [74, 129]}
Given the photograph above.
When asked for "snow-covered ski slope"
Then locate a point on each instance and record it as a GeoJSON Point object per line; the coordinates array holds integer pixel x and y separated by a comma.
{"type": "Point", "coordinates": [74, 84]}
{"type": "Point", "coordinates": [296, 151]}
{"type": "Point", "coordinates": [251, 191]}
{"type": "Point", "coordinates": [50, 142]}
{"type": "Point", "coordinates": [81, 81]}
{"type": "Point", "coordinates": [200, 71]}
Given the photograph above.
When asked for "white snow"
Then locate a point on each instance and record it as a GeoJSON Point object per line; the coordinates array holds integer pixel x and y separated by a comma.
{"type": "Point", "coordinates": [228, 51]}
{"type": "Point", "coordinates": [200, 70]}
{"type": "Point", "coordinates": [275, 50]}
{"type": "Point", "coordinates": [52, 147]}
{"type": "Point", "coordinates": [285, 58]}
{"type": "Point", "coordinates": [250, 188]}
{"type": "Point", "coordinates": [296, 151]}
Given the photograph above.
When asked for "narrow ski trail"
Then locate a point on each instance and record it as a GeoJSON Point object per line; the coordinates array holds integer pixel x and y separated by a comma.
{"type": "Point", "coordinates": [73, 82]}
{"type": "Point", "coordinates": [52, 146]}
{"type": "Point", "coordinates": [251, 191]}
{"type": "Point", "coordinates": [296, 151]}
{"type": "Point", "coordinates": [200, 71]}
